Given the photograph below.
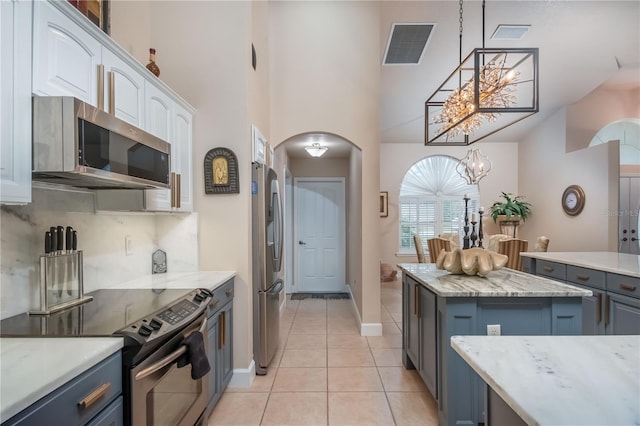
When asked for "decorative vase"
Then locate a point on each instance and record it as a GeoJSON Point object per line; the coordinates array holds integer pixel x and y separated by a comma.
{"type": "Point", "coordinates": [152, 66]}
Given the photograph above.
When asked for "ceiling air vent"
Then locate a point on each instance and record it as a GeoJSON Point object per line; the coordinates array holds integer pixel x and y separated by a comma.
{"type": "Point", "coordinates": [510, 32]}
{"type": "Point", "coordinates": [407, 43]}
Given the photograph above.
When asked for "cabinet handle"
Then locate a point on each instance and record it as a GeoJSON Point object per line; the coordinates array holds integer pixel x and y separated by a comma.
{"type": "Point", "coordinates": [583, 277]}
{"type": "Point", "coordinates": [606, 310]}
{"type": "Point", "coordinates": [229, 293]}
{"type": "Point", "coordinates": [628, 287]}
{"type": "Point", "coordinates": [101, 87]}
{"type": "Point", "coordinates": [599, 312]}
{"type": "Point", "coordinates": [221, 330]}
{"type": "Point", "coordinates": [547, 268]}
{"type": "Point", "coordinates": [416, 301]}
{"type": "Point", "coordinates": [173, 189]}
{"type": "Point", "coordinates": [98, 393]}
{"type": "Point", "coordinates": [178, 178]}
{"type": "Point", "coordinates": [112, 93]}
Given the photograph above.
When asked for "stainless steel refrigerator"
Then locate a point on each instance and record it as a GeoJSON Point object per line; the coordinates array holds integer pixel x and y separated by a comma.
{"type": "Point", "coordinates": [267, 232]}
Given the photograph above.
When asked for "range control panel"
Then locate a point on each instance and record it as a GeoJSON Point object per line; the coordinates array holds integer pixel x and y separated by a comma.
{"type": "Point", "coordinates": [171, 318]}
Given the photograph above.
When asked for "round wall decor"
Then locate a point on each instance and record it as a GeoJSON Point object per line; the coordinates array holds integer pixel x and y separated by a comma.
{"type": "Point", "coordinates": [573, 199]}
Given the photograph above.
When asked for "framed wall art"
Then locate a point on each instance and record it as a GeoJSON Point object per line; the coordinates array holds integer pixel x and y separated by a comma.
{"type": "Point", "coordinates": [384, 204]}
{"type": "Point", "coordinates": [221, 172]}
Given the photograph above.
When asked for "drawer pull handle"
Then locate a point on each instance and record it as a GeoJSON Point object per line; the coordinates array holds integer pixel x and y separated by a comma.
{"type": "Point", "coordinates": [583, 277]}
{"type": "Point", "coordinates": [599, 312]}
{"type": "Point", "coordinates": [606, 310]}
{"type": "Point", "coordinates": [229, 293]}
{"type": "Point", "coordinates": [548, 269]}
{"type": "Point", "coordinates": [628, 287]}
{"type": "Point", "coordinates": [94, 396]}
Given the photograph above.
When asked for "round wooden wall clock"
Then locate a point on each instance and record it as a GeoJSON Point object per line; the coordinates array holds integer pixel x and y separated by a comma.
{"type": "Point", "coordinates": [573, 199]}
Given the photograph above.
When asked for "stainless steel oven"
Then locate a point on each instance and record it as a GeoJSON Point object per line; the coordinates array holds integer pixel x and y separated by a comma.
{"type": "Point", "coordinates": [162, 393]}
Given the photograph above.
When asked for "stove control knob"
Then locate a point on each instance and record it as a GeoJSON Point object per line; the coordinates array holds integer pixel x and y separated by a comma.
{"type": "Point", "coordinates": [155, 323]}
{"type": "Point", "coordinates": [204, 294]}
{"type": "Point", "coordinates": [198, 298]}
{"type": "Point", "coordinates": [144, 331]}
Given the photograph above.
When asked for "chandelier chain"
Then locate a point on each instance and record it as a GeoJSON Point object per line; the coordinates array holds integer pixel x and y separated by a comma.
{"type": "Point", "coordinates": [460, 35]}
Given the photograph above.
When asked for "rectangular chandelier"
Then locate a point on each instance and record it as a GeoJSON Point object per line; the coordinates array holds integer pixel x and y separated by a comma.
{"type": "Point", "coordinates": [490, 90]}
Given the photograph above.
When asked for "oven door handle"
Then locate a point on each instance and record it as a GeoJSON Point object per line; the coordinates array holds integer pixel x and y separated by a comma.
{"type": "Point", "coordinates": [172, 357]}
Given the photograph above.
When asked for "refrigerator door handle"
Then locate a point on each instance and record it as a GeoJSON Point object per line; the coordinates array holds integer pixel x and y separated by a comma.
{"type": "Point", "coordinates": [277, 287]}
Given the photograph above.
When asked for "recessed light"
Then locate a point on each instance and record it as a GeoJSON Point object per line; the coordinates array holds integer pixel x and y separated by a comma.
{"type": "Point", "coordinates": [510, 32]}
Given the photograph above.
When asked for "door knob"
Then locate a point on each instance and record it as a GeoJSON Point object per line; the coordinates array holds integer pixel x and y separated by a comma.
{"type": "Point", "coordinates": [624, 239]}
{"type": "Point", "coordinates": [302, 243]}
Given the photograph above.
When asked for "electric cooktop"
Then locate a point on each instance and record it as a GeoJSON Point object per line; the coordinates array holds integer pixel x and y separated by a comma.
{"type": "Point", "coordinates": [109, 311]}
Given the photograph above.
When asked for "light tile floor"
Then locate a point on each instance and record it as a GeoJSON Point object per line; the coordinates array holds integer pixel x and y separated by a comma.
{"type": "Point", "coordinates": [325, 373]}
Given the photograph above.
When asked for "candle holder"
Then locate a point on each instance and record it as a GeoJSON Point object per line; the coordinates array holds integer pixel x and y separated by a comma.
{"type": "Point", "coordinates": [480, 233]}
{"type": "Point", "coordinates": [474, 236]}
{"type": "Point", "coordinates": [465, 239]}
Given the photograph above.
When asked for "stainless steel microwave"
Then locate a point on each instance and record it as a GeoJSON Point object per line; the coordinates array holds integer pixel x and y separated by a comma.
{"type": "Point", "coordinates": [77, 144]}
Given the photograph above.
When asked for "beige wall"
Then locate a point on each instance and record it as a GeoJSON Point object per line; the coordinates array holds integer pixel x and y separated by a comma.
{"type": "Point", "coordinates": [398, 159]}
{"type": "Point", "coordinates": [545, 170]}
{"type": "Point", "coordinates": [310, 167]}
{"type": "Point", "coordinates": [204, 54]}
{"type": "Point", "coordinates": [354, 229]}
{"type": "Point", "coordinates": [599, 108]}
{"type": "Point", "coordinates": [325, 79]}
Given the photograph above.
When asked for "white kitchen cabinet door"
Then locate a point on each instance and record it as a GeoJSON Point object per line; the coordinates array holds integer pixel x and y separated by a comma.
{"type": "Point", "coordinates": [66, 57]}
{"type": "Point", "coordinates": [158, 121]}
{"type": "Point", "coordinates": [181, 149]}
{"type": "Point", "coordinates": [15, 101]}
{"type": "Point", "coordinates": [123, 90]}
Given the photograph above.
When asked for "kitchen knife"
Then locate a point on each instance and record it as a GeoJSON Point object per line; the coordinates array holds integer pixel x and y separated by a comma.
{"type": "Point", "coordinates": [61, 262]}
{"type": "Point", "coordinates": [70, 262]}
{"type": "Point", "coordinates": [60, 239]}
{"type": "Point", "coordinates": [68, 239]}
{"type": "Point", "coordinates": [47, 243]}
{"type": "Point", "coordinates": [54, 239]}
{"type": "Point", "coordinates": [75, 266]}
{"type": "Point", "coordinates": [74, 240]}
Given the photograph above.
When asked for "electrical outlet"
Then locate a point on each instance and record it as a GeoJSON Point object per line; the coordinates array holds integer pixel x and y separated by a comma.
{"type": "Point", "coordinates": [493, 330]}
{"type": "Point", "coordinates": [128, 245]}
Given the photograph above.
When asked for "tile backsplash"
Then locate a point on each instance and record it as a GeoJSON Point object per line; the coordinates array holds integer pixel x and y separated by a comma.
{"type": "Point", "coordinates": [101, 237]}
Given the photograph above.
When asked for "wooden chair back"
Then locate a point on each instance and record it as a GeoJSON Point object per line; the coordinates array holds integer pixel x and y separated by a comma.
{"type": "Point", "coordinates": [417, 242]}
{"type": "Point", "coordinates": [436, 245]}
{"type": "Point", "coordinates": [512, 249]}
{"type": "Point", "coordinates": [542, 243]}
{"type": "Point", "coordinates": [453, 238]}
{"type": "Point", "coordinates": [492, 243]}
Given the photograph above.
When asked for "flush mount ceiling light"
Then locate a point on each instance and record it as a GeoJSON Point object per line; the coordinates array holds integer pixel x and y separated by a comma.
{"type": "Point", "coordinates": [315, 150]}
{"type": "Point", "coordinates": [474, 166]}
{"type": "Point", "coordinates": [490, 90]}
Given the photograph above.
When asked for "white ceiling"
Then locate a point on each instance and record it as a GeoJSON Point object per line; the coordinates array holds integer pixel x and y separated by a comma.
{"type": "Point", "coordinates": [582, 44]}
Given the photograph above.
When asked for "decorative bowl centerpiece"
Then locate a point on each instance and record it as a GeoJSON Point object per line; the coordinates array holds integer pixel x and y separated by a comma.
{"type": "Point", "coordinates": [474, 261]}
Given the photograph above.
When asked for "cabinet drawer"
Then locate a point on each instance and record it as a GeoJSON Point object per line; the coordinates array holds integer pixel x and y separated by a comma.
{"type": "Point", "coordinates": [585, 276]}
{"type": "Point", "coordinates": [548, 269]}
{"type": "Point", "coordinates": [623, 284]}
{"type": "Point", "coordinates": [113, 415]}
{"type": "Point", "coordinates": [223, 294]}
{"type": "Point", "coordinates": [79, 400]}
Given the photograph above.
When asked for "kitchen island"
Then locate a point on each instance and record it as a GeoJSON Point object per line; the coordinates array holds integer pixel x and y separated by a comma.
{"type": "Point", "coordinates": [438, 305]}
{"type": "Point", "coordinates": [560, 380]}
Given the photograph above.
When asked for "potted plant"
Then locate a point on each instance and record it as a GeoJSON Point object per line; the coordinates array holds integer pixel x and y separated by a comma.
{"type": "Point", "coordinates": [509, 212]}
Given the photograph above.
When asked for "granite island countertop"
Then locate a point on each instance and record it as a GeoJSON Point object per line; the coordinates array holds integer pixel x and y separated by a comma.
{"type": "Point", "coordinates": [618, 263]}
{"type": "Point", "coordinates": [560, 380]}
{"type": "Point", "coordinates": [26, 375]}
{"type": "Point", "coordinates": [501, 283]}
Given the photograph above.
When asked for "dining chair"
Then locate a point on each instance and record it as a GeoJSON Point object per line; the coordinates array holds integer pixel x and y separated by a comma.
{"type": "Point", "coordinates": [417, 242]}
{"type": "Point", "coordinates": [492, 244]}
{"type": "Point", "coordinates": [542, 243]}
{"type": "Point", "coordinates": [436, 245]}
{"type": "Point", "coordinates": [512, 249]}
{"type": "Point", "coordinates": [453, 237]}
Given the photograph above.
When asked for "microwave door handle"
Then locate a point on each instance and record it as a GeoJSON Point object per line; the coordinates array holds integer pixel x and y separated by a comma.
{"type": "Point", "coordinates": [169, 359]}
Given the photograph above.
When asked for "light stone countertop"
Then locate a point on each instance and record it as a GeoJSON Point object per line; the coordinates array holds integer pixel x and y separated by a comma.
{"type": "Point", "coordinates": [618, 263]}
{"type": "Point", "coordinates": [26, 375]}
{"type": "Point", "coordinates": [560, 380]}
{"type": "Point", "coordinates": [502, 283]}
{"type": "Point", "coordinates": [187, 280]}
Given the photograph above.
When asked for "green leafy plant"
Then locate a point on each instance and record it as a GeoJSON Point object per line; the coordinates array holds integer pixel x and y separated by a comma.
{"type": "Point", "coordinates": [511, 206]}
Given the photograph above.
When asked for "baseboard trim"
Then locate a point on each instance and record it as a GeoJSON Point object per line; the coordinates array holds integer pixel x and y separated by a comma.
{"type": "Point", "coordinates": [243, 377]}
{"type": "Point", "coordinates": [366, 329]}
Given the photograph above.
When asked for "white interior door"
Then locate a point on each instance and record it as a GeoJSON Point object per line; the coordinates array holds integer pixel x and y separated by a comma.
{"type": "Point", "coordinates": [320, 234]}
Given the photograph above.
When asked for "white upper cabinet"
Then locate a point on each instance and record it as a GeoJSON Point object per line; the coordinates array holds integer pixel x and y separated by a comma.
{"type": "Point", "coordinates": [65, 57]}
{"type": "Point", "coordinates": [183, 157]}
{"type": "Point", "coordinates": [15, 102]}
{"type": "Point", "coordinates": [123, 89]}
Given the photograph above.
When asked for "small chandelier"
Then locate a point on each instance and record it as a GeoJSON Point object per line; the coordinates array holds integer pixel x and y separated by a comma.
{"type": "Point", "coordinates": [315, 150]}
{"type": "Point", "coordinates": [488, 83]}
{"type": "Point", "coordinates": [474, 166]}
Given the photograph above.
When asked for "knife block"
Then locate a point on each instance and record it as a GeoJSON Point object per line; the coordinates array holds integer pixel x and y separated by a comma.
{"type": "Point", "coordinates": [61, 284]}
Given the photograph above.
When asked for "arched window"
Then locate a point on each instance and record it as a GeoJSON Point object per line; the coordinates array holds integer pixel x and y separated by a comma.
{"type": "Point", "coordinates": [431, 200]}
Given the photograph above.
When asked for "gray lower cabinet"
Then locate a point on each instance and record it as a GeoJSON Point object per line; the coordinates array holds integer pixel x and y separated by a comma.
{"type": "Point", "coordinates": [220, 334]}
{"type": "Point", "coordinates": [421, 341]}
{"type": "Point", "coordinates": [614, 307]}
{"type": "Point", "coordinates": [94, 398]}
